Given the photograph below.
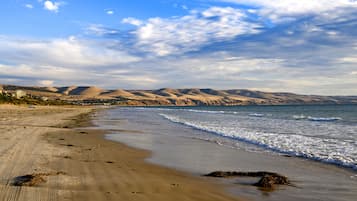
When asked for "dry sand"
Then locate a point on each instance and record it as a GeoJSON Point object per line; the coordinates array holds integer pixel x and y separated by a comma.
{"type": "Point", "coordinates": [43, 157]}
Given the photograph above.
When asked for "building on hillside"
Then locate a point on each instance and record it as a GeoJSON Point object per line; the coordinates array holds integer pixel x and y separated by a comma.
{"type": "Point", "coordinates": [20, 94]}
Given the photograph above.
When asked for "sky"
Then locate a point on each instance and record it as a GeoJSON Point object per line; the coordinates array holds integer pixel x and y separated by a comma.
{"type": "Point", "coordinates": [305, 46]}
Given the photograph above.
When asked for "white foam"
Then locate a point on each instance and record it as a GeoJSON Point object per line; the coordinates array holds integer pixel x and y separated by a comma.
{"type": "Point", "coordinates": [205, 111]}
{"type": "Point", "coordinates": [324, 118]}
{"type": "Point", "coordinates": [330, 150]}
{"type": "Point", "coordinates": [256, 115]}
{"type": "Point", "coordinates": [188, 110]}
{"type": "Point", "coordinates": [299, 117]}
{"type": "Point", "coordinates": [310, 118]}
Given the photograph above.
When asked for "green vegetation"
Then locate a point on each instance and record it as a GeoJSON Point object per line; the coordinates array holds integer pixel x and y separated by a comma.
{"type": "Point", "coordinates": [8, 99]}
{"type": "Point", "coordinates": [5, 99]}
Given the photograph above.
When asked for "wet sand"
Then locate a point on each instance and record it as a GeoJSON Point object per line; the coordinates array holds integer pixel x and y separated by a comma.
{"type": "Point", "coordinates": [175, 146]}
{"type": "Point", "coordinates": [45, 157]}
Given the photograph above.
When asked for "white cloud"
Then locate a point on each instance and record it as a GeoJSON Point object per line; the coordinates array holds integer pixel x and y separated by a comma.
{"type": "Point", "coordinates": [100, 30]}
{"type": "Point", "coordinates": [46, 83]}
{"type": "Point", "coordinates": [69, 52]}
{"type": "Point", "coordinates": [52, 6]}
{"type": "Point", "coordinates": [215, 66]}
{"type": "Point", "coordinates": [275, 9]}
{"type": "Point", "coordinates": [349, 59]}
{"type": "Point", "coordinates": [182, 34]}
{"type": "Point", "coordinates": [110, 12]}
{"type": "Point", "coordinates": [24, 74]}
{"type": "Point", "coordinates": [132, 21]}
{"type": "Point", "coordinates": [38, 72]}
{"type": "Point", "coordinates": [29, 6]}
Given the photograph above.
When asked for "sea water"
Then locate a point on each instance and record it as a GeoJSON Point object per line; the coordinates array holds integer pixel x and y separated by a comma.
{"type": "Point", "coordinates": [200, 140]}
{"type": "Point", "coordinates": [326, 133]}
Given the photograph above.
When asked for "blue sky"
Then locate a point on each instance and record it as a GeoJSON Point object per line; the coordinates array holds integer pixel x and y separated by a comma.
{"type": "Point", "coordinates": [306, 46]}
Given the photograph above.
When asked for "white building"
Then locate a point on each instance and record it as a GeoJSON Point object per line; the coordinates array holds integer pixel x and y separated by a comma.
{"type": "Point", "coordinates": [20, 93]}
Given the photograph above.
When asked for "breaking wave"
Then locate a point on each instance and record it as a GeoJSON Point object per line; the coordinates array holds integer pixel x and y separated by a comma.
{"type": "Point", "coordinates": [328, 150]}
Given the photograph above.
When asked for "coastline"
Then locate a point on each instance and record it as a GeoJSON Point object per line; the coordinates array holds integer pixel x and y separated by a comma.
{"type": "Point", "coordinates": [175, 146]}
{"type": "Point", "coordinates": [73, 163]}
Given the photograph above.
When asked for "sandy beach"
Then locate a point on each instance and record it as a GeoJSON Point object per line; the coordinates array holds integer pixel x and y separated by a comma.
{"type": "Point", "coordinates": [44, 156]}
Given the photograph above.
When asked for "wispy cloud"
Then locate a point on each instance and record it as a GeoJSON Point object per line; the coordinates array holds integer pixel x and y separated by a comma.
{"type": "Point", "coordinates": [178, 35]}
{"type": "Point", "coordinates": [278, 9]}
{"type": "Point", "coordinates": [29, 6]}
{"type": "Point", "coordinates": [70, 52]}
{"type": "Point", "coordinates": [100, 30]}
{"type": "Point", "coordinates": [350, 59]}
{"type": "Point", "coordinates": [110, 12]}
{"type": "Point", "coordinates": [132, 21]}
{"type": "Point", "coordinates": [184, 7]}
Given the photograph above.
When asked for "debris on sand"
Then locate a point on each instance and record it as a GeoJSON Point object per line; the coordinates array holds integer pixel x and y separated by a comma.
{"type": "Point", "coordinates": [267, 182]}
{"type": "Point", "coordinates": [28, 180]}
{"type": "Point", "coordinates": [33, 179]}
{"type": "Point", "coordinates": [238, 174]}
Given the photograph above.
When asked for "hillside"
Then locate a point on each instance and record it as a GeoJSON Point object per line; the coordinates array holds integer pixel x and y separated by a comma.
{"type": "Point", "coordinates": [179, 97]}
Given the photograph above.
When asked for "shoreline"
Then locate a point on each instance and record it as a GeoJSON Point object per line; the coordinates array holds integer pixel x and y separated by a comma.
{"type": "Point", "coordinates": [173, 146]}
{"type": "Point", "coordinates": [74, 163]}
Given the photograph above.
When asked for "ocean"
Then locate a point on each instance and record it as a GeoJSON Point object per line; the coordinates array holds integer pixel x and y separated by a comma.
{"type": "Point", "coordinates": [326, 133]}
{"type": "Point", "coordinates": [314, 145]}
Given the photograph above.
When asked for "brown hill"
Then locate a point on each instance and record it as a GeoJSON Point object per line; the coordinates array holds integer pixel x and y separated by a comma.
{"type": "Point", "coordinates": [117, 93]}
{"type": "Point", "coordinates": [66, 90]}
{"type": "Point", "coordinates": [87, 91]}
{"type": "Point", "coordinates": [184, 97]}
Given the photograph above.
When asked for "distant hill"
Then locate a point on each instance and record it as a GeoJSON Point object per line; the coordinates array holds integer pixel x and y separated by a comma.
{"type": "Point", "coordinates": [179, 97]}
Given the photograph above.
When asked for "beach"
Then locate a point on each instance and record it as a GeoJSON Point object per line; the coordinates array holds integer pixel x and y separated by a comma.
{"type": "Point", "coordinates": [87, 153]}
{"type": "Point", "coordinates": [160, 100]}
{"type": "Point", "coordinates": [198, 152]}
{"type": "Point", "coordinates": [45, 156]}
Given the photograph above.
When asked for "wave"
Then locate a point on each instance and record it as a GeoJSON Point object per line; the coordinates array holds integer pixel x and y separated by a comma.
{"type": "Point", "coordinates": [299, 117]}
{"type": "Point", "coordinates": [295, 117]}
{"type": "Point", "coordinates": [332, 151]}
{"type": "Point", "coordinates": [206, 111]}
{"type": "Point", "coordinates": [310, 118]}
{"type": "Point", "coordinates": [188, 110]}
{"type": "Point", "coordinates": [256, 115]}
{"type": "Point", "coordinates": [324, 118]}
